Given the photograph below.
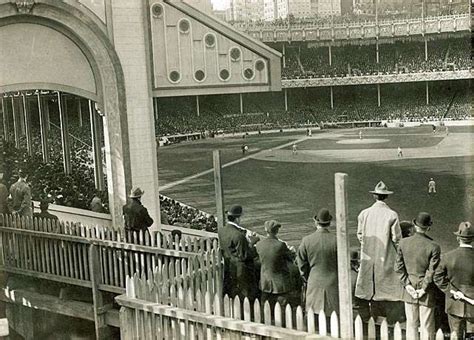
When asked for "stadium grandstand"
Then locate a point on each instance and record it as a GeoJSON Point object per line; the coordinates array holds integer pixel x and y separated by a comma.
{"type": "Point", "coordinates": [158, 106]}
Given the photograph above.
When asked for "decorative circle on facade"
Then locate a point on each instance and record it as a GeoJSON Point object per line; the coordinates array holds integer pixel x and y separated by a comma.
{"type": "Point", "coordinates": [175, 76]}
{"type": "Point", "coordinates": [210, 40]}
{"type": "Point", "coordinates": [248, 73]}
{"type": "Point", "coordinates": [199, 75]}
{"type": "Point", "coordinates": [157, 10]}
{"type": "Point", "coordinates": [260, 65]}
{"type": "Point", "coordinates": [184, 25]}
{"type": "Point", "coordinates": [235, 54]}
{"type": "Point", "coordinates": [224, 74]}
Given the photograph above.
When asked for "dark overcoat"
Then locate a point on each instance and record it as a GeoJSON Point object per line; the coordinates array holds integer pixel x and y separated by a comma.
{"type": "Point", "coordinates": [317, 261]}
{"type": "Point", "coordinates": [136, 216]}
{"type": "Point", "coordinates": [275, 258]}
{"type": "Point", "coordinates": [239, 262]}
{"type": "Point", "coordinates": [456, 272]}
{"type": "Point", "coordinates": [417, 258]}
{"type": "Point", "coordinates": [3, 199]}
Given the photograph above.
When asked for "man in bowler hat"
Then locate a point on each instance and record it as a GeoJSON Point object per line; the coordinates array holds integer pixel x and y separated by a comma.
{"type": "Point", "coordinates": [239, 256]}
{"type": "Point", "coordinates": [417, 258]}
{"type": "Point", "coordinates": [317, 261]}
{"type": "Point", "coordinates": [455, 277]}
{"type": "Point", "coordinates": [378, 231]}
{"type": "Point", "coordinates": [135, 214]}
{"type": "Point", "coordinates": [275, 257]}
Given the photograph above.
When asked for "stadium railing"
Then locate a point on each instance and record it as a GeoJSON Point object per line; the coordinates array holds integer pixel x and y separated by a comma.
{"type": "Point", "coordinates": [99, 259]}
{"type": "Point", "coordinates": [175, 305]}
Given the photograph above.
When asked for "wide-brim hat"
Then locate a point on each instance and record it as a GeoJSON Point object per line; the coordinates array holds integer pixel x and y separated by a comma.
{"type": "Point", "coordinates": [271, 226]}
{"type": "Point", "coordinates": [423, 220]}
{"type": "Point", "coordinates": [381, 189]}
{"type": "Point", "coordinates": [465, 231]}
{"type": "Point", "coordinates": [136, 192]}
{"type": "Point", "coordinates": [235, 210]}
{"type": "Point", "coordinates": [323, 216]}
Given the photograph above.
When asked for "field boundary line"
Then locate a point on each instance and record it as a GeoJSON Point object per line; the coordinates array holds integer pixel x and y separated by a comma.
{"type": "Point", "coordinates": [237, 161]}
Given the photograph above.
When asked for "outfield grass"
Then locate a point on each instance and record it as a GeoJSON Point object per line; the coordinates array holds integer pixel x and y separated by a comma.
{"type": "Point", "coordinates": [292, 192]}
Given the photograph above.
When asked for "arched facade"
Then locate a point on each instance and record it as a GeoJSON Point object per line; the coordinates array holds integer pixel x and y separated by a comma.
{"type": "Point", "coordinates": [75, 28]}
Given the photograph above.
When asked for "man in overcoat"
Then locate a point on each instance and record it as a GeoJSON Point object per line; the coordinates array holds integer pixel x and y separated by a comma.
{"type": "Point", "coordinates": [3, 196]}
{"type": "Point", "coordinates": [21, 196]}
{"type": "Point", "coordinates": [239, 257]}
{"type": "Point", "coordinates": [378, 231]}
{"type": "Point", "coordinates": [135, 214]}
{"type": "Point", "coordinates": [275, 257]}
{"type": "Point", "coordinates": [455, 277]}
{"type": "Point", "coordinates": [417, 258]}
{"type": "Point", "coordinates": [317, 261]}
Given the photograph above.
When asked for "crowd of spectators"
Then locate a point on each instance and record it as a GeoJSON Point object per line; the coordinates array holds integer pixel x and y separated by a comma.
{"type": "Point", "coordinates": [387, 12]}
{"type": "Point", "coordinates": [47, 180]}
{"type": "Point", "coordinates": [178, 214]}
{"type": "Point", "coordinates": [311, 106]}
{"type": "Point", "coordinates": [394, 58]}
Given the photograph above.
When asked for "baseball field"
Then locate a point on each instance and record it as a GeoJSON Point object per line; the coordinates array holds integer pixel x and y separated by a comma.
{"type": "Point", "coordinates": [271, 182]}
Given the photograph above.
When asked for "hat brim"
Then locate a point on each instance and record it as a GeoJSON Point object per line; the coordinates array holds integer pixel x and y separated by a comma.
{"type": "Point", "coordinates": [381, 192]}
{"type": "Point", "coordinates": [421, 226]}
{"type": "Point", "coordinates": [463, 236]}
{"type": "Point", "coordinates": [136, 196]}
{"type": "Point", "coordinates": [320, 221]}
{"type": "Point", "coordinates": [231, 214]}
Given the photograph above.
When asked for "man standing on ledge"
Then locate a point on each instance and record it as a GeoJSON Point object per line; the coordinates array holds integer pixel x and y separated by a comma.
{"type": "Point", "coordinates": [455, 277]}
{"type": "Point", "coordinates": [239, 257]}
{"type": "Point", "coordinates": [379, 232]}
{"type": "Point", "coordinates": [135, 214]}
{"type": "Point", "coordinates": [317, 261]}
{"type": "Point", "coordinates": [417, 258]}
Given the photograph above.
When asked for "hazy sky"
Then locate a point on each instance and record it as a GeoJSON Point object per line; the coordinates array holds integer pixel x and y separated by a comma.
{"type": "Point", "coordinates": [220, 4]}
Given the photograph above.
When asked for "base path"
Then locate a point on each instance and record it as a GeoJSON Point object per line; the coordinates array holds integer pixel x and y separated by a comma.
{"type": "Point", "coordinates": [237, 161]}
{"type": "Point", "coordinates": [454, 145]}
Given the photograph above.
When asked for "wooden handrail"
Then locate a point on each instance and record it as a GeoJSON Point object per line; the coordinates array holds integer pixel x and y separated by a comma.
{"type": "Point", "coordinates": [211, 320]}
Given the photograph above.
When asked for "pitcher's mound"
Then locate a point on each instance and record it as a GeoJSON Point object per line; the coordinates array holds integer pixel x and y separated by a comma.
{"type": "Point", "coordinates": [363, 141]}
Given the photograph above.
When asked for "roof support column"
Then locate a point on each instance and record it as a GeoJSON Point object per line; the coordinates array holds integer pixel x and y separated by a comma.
{"type": "Point", "coordinates": [66, 146]}
{"type": "Point", "coordinates": [96, 147]}
{"type": "Point", "coordinates": [197, 106]}
{"type": "Point", "coordinates": [43, 128]}
{"type": "Point", "coordinates": [16, 124]}
{"type": "Point", "coordinates": [378, 95]}
{"type": "Point", "coordinates": [27, 116]}
{"type": "Point", "coordinates": [6, 130]}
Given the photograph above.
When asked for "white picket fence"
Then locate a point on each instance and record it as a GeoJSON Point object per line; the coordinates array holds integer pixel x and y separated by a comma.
{"type": "Point", "coordinates": [174, 305]}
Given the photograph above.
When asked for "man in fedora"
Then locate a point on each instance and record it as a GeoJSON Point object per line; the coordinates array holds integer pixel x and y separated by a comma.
{"type": "Point", "coordinates": [239, 256]}
{"type": "Point", "coordinates": [417, 258]}
{"type": "Point", "coordinates": [275, 259]}
{"type": "Point", "coordinates": [455, 277]}
{"type": "Point", "coordinates": [21, 196]}
{"type": "Point", "coordinates": [135, 214]}
{"type": "Point", "coordinates": [378, 232]}
{"type": "Point", "coordinates": [317, 261]}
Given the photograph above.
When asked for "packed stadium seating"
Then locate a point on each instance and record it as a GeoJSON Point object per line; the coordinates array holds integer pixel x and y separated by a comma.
{"type": "Point", "coordinates": [396, 57]}
{"type": "Point", "coordinates": [312, 106]}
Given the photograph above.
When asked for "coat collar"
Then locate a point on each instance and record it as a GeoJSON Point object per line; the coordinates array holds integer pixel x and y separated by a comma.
{"type": "Point", "coordinates": [423, 235]}
{"type": "Point", "coordinates": [380, 204]}
{"type": "Point", "coordinates": [469, 246]}
{"type": "Point", "coordinates": [322, 230]}
{"type": "Point", "coordinates": [235, 225]}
